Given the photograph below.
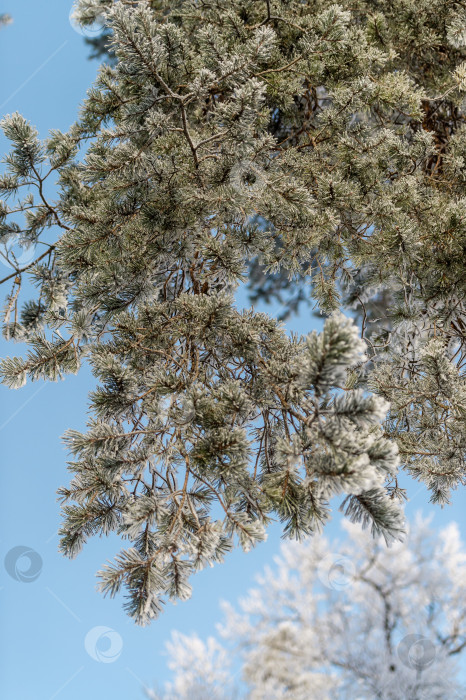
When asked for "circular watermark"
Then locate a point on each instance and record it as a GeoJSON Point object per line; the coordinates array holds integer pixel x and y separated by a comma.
{"type": "Point", "coordinates": [336, 571]}
{"type": "Point", "coordinates": [15, 254]}
{"type": "Point", "coordinates": [181, 410]}
{"type": "Point", "coordinates": [88, 30]}
{"type": "Point", "coordinates": [248, 178]}
{"type": "Point", "coordinates": [185, 412]}
{"type": "Point", "coordinates": [23, 564]}
{"type": "Point", "coordinates": [416, 651]}
{"type": "Point", "coordinates": [155, 92]}
{"type": "Point", "coordinates": [103, 644]}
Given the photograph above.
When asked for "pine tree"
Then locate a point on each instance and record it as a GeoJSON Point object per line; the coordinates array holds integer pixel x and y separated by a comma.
{"type": "Point", "coordinates": [323, 143]}
{"type": "Point", "coordinates": [347, 620]}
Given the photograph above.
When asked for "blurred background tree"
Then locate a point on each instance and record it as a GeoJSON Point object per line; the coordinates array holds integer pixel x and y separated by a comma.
{"type": "Point", "coordinates": [348, 620]}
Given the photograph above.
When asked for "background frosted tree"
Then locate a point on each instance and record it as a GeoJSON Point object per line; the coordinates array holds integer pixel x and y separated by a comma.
{"type": "Point", "coordinates": [342, 621]}
{"type": "Point", "coordinates": [324, 144]}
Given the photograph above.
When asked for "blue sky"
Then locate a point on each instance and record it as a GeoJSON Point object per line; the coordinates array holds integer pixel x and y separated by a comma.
{"type": "Point", "coordinates": [45, 622]}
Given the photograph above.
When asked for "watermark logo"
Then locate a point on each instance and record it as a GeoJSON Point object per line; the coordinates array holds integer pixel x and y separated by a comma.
{"type": "Point", "coordinates": [416, 652]}
{"type": "Point", "coordinates": [88, 30]}
{"type": "Point", "coordinates": [336, 571]}
{"type": "Point", "coordinates": [180, 410]}
{"type": "Point", "coordinates": [15, 253]}
{"type": "Point", "coordinates": [103, 644]}
{"type": "Point", "coordinates": [23, 564]}
{"type": "Point", "coordinates": [185, 412]}
{"type": "Point", "coordinates": [248, 178]}
{"type": "Point", "coordinates": [155, 92]}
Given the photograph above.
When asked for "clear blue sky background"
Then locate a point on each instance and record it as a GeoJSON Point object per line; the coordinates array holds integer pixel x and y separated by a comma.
{"type": "Point", "coordinates": [45, 74]}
